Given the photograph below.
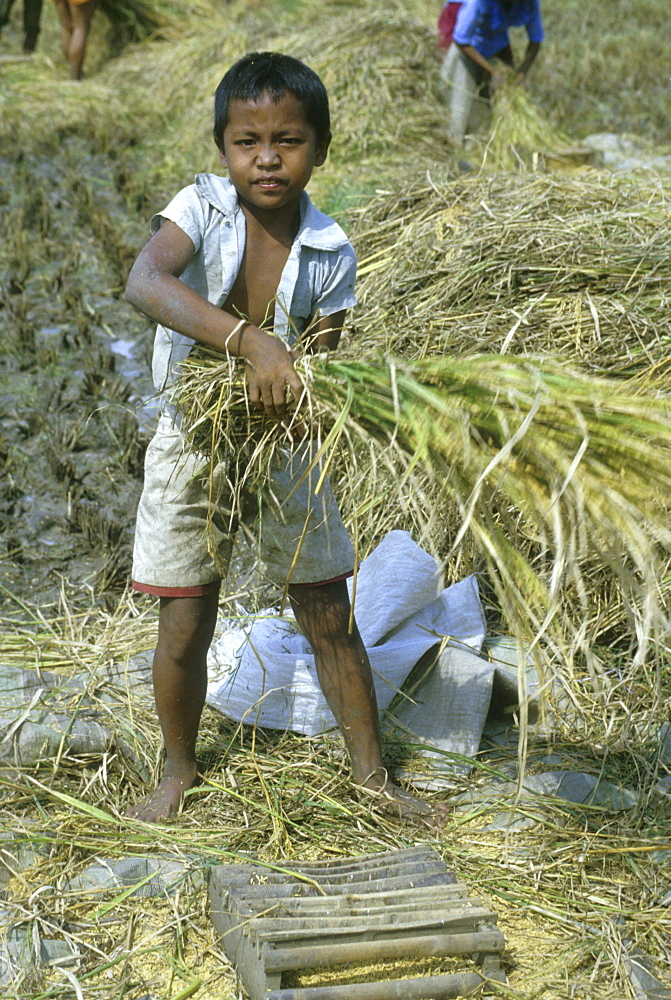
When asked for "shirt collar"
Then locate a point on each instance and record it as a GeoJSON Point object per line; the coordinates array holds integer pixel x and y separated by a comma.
{"type": "Point", "coordinates": [316, 230]}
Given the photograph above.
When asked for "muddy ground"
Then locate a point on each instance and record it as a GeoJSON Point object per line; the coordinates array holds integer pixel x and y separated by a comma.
{"type": "Point", "coordinates": [75, 407]}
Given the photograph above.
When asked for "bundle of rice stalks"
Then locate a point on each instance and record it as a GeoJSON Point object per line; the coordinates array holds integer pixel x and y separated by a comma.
{"type": "Point", "coordinates": [524, 449]}
{"type": "Point", "coordinates": [519, 133]}
{"type": "Point", "coordinates": [381, 73]}
{"type": "Point", "coordinates": [134, 20]}
{"type": "Point", "coordinates": [578, 267]}
{"type": "Point", "coordinates": [39, 107]}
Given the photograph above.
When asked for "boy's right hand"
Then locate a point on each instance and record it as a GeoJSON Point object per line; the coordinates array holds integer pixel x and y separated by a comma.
{"type": "Point", "coordinates": [270, 370]}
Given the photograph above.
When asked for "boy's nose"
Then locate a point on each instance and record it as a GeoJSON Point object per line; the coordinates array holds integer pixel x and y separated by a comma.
{"type": "Point", "coordinates": [268, 155]}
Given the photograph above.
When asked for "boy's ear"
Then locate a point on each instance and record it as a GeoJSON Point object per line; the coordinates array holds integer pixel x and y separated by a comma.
{"type": "Point", "coordinates": [222, 157]}
{"type": "Point", "coordinates": [322, 151]}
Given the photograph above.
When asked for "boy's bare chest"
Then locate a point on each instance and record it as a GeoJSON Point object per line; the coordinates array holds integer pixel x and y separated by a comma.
{"type": "Point", "coordinates": [253, 293]}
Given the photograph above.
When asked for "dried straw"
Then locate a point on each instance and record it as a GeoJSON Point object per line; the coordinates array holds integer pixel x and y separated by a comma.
{"type": "Point", "coordinates": [559, 883]}
{"type": "Point", "coordinates": [520, 136]}
{"type": "Point", "coordinates": [563, 885]}
{"type": "Point", "coordinates": [135, 20]}
{"type": "Point", "coordinates": [576, 267]}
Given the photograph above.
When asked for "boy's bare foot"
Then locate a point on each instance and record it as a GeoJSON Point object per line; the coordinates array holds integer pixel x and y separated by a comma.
{"type": "Point", "coordinates": [391, 800]}
{"type": "Point", "coordinates": [166, 799]}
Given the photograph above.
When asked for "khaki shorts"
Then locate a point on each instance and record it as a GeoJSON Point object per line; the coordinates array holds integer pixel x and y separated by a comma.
{"type": "Point", "coordinates": [173, 544]}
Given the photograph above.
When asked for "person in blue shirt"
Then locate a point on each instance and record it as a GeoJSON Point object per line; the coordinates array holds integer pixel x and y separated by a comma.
{"type": "Point", "coordinates": [480, 42]}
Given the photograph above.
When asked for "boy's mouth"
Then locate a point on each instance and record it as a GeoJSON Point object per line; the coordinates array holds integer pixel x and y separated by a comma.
{"type": "Point", "coordinates": [269, 182]}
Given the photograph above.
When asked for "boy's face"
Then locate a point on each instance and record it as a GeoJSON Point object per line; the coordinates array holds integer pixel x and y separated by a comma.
{"type": "Point", "coordinates": [270, 150]}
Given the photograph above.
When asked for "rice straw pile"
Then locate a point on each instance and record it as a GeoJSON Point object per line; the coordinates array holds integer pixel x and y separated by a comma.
{"type": "Point", "coordinates": [392, 108]}
{"type": "Point", "coordinates": [164, 136]}
{"type": "Point", "coordinates": [27, 93]}
{"type": "Point", "coordinates": [520, 136]}
{"type": "Point", "coordinates": [561, 882]}
{"type": "Point", "coordinates": [134, 20]}
{"type": "Point", "coordinates": [532, 266]}
{"type": "Point", "coordinates": [573, 266]}
{"type": "Point", "coordinates": [145, 98]}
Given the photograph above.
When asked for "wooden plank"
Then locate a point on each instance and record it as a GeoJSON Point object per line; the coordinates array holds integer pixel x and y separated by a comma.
{"type": "Point", "coordinates": [426, 988]}
{"type": "Point", "coordinates": [314, 956]}
{"type": "Point", "coordinates": [293, 888]}
{"type": "Point", "coordinates": [413, 874]}
{"type": "Point", "coordinates": [276, 929]}
{"type": "Point", "coordinates": [384, 859]}
{"type": "Point", "coordinates": [423, 897]}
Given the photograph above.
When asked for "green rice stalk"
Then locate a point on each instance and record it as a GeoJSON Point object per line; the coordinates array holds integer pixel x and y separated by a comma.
{"type": "Point", "coordinates": [582, 464]}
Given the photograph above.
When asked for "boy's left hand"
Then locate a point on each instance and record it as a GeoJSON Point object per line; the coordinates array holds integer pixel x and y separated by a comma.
{"type": "Point", "coordinates": [270, 372]}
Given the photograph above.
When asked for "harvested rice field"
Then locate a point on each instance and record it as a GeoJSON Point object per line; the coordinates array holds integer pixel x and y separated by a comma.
{"type": "Point", "coordinates": [501, 393]}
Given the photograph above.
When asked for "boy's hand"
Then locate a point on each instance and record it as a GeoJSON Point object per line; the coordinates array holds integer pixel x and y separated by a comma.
{"type": "Point", "coordinates": [270, 370]}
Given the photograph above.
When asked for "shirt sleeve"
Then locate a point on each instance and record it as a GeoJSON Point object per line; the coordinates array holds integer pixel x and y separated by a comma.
{"type": "Point", "coordinates": [535, 25]}
{"type": "Point", "coordinates": [337, 292]}
{"type": "Point", "coordinates": [186, 211]}
{"type": "Point", "coordinates": [466, 28]}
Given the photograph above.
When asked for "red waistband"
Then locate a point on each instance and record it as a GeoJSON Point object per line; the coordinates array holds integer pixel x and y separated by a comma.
{"type": "Point", "coordinates": [199, 591]}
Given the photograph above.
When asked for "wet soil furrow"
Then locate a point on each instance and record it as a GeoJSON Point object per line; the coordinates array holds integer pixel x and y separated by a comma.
{"type": "Point", "coordinates": [74, 374]}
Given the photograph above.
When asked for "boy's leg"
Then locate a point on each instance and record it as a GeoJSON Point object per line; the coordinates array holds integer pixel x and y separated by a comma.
{"type": "Point", "coordinates": [186, 627]}
{"type": "Point", "coordinates": [323, 613]}
{"type": "Point", "coordinates": [171, 559]}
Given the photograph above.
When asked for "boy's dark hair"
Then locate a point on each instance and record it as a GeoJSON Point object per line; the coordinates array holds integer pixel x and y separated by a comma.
{"type": "Point", "coordinates": [272, 73]}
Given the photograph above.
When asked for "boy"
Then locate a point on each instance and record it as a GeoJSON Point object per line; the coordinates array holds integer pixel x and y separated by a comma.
{"type": "Point", "coordinates": [481, 35]}
{"type": "Point", "coordinates": [252, 246]}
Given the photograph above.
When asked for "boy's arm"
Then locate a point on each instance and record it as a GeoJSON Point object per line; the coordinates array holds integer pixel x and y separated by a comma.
{"type": "Point", "coordinates": [154, 288]}
{"type": "Point", "coordinates": [325, 332]}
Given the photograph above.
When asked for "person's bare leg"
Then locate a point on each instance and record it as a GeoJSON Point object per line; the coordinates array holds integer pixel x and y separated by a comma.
{"type": "Point", "coordinates": [186, 627]}
{"type": "Point", "coordinates": [343, 668]}
{"type": "Point", "coordinates": [63, 10]}
{"type": "Point", "coordinates": [81, 16]}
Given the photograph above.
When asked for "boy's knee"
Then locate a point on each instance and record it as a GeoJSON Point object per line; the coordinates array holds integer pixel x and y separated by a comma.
{"type": "Point", "coordinates": [324, 609]}
{"type": "Point", "coordinates": [186, 624]}
{"type": "Point", "coordinates": [320, 595]}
